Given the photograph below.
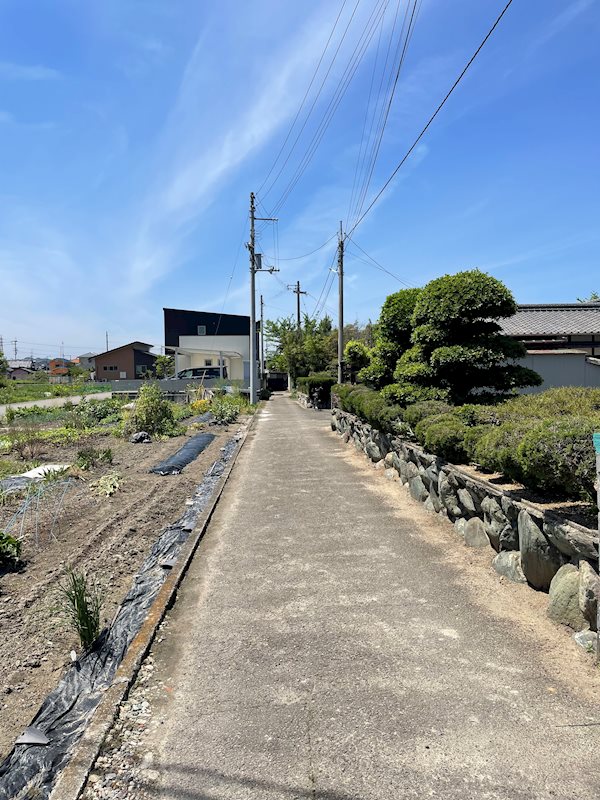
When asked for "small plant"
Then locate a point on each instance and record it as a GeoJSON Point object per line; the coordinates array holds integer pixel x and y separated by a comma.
{"type": "Point", "coordinates": [10, 549]}
{"type": "Point", "coordinates": [80, 602]}
{"type": "Point", "coordinates": [108, 484]}
{"type": "Point", "coordinates": [200, 406]}
{"type": "Point", "coordinates": [88, 457]}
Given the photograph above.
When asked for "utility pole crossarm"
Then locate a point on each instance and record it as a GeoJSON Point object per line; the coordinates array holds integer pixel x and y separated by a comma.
{"type": "Point", "coordinates": [295, 288]}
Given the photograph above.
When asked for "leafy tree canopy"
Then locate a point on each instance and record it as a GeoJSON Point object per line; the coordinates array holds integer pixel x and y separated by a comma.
{"type": "Point", "coordinates": [392, 337]}
{"type": "Point", "coordinates": [458, 350]}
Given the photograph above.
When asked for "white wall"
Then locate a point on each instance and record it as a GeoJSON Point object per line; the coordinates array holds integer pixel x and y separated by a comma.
{"type": "Point", "coordinates": [561, 369]}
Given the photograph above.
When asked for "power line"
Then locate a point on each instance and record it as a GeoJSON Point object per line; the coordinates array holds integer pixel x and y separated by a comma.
{"type": "Point", "coordinates": [431, 118]}
{"type": "Point", "coordinates": [312, 80]}
{"type": "Point", "coordinates": [392, 91]}
{"type": "Point", "coordinates": [306, 255]}
{"type": "Point", "coordinates": [376, 264]}
{"type": "Point", "coordinates": [343, 83]}
{"type": "Point", "coordinates": [235, 263]}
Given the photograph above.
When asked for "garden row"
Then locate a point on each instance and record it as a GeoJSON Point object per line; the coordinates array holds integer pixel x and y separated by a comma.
{"type": "Point", "coordinates": [540, 548]}
{"type": "Point", "coordinates": [543, 441]}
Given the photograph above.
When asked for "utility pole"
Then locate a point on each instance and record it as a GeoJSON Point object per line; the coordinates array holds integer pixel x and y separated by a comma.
{"type": "Point", "coordinates": [107, 341]}
{"type": "Point", "coordinates": [255, 266]}
{"type": "Point", "coordinates": [296, 290]}
{"type": "Point", "coordinates": [262, 342]}
{"type": "Point", "coordinates": [1, 346]}
{"type": "Point", "coordinates": [341, 306]}
{"type": "Point", "coordinates": [14, 343]}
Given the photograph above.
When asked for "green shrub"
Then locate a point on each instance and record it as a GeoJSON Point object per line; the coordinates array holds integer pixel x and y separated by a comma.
{"type": "Point", "coordinates": [10, 549]}
{"type": "Point", "coordinates": [319, 383]}
{"type": "Point", "coordinates": [426, 408]}
{"type": "Point", "coordinates": [227, 407]}
{"type": "Point", "coordinates": [496, 449]}
{"type": "Point", "coordinates": [557, 456]}
{"type": "Point", "coordinates": [370, 406]}
{"type": "Point", "coordinates": [444, 435]}
{"type": "Point", "coordinates": [405, 394]}
{"type": "Point", "coordinates": [91, 413]}
{"type": "Point", "coordinates": [152, 413]}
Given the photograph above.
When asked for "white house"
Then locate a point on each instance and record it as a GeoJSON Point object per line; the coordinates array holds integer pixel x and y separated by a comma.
{"type": "Point", "coordinates": [207, 339]}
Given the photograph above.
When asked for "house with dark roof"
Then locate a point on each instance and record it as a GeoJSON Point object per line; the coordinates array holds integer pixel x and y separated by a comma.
{"type": "Point", "coordinates": [562, 341]}
{"type": "Point", "coordinates": [557, 326]}
{"type": "Point", "coordinates": [128, 362]}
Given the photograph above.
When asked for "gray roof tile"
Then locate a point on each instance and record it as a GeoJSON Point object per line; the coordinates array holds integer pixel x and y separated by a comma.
{"type": "Point", "coordinates": [561, 319]}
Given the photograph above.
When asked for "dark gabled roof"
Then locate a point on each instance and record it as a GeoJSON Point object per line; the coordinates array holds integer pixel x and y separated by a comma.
{"type": "Point", "coordinates": [143, 346]}
{"type": "Point", "coordinates": [555, 319]}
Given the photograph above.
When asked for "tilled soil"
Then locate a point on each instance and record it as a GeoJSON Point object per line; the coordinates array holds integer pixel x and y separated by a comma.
{"type": "Point", "coordinates": [108, 537]}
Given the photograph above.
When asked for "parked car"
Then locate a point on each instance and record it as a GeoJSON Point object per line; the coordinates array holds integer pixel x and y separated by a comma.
{"type": "Point", "coordinates": [203, 373]}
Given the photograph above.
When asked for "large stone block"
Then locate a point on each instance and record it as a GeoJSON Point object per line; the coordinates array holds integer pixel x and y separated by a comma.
{"type": "Point", "coordinates": [466, 500]}
{"type": "Point", "coordinates": [417, 489]}
{"type": "Point", "coordinates": [448, 496]}
{"type": "Point", "coordinates": [564, 598]}
{"type": "Point", "coordinates": [508, 564]}
{"type": "Point", "coordinates": [572, 541]}
{"type": "Point", "coordinates": [589, 593]}
{"type": "Point", "coordinates": [539, 559]}
{"type": "Point", "coordinates": [475, 535]}
{"type": "Point", "coordinates": [373, 451]}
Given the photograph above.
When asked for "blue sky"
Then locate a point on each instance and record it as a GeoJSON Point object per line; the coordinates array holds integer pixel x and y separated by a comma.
{"type": "Point", "coordinates": [132, 132]}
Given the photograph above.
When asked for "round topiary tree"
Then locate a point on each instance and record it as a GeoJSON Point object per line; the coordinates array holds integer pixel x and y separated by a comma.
{"type": "Point", "coordinates": [457, 345]}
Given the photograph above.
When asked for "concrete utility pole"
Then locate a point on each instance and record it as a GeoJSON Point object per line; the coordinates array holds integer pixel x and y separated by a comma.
{"type": "Point", "coordinates": [14, 343]}
{"type": "Point", "coordinates": [107, 341]}
{"type": "Point", "coordinates": [255, 266]}
{"type": "Point", "coordinates": [262, 342]}
{"type": "Point", "coordinates": [341, 306]}
{"type": "Point", "coordinates": [297, 291]}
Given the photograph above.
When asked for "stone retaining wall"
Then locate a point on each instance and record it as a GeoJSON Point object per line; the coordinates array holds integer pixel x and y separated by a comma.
{"type": "Point", "coordinates": [544, 550]}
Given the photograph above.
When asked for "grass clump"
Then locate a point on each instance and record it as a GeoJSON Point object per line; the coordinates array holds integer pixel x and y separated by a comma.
{"type": "Point", "coordinates": [80, 603]}
{"type": "Point", "coordinates": [89, 457]}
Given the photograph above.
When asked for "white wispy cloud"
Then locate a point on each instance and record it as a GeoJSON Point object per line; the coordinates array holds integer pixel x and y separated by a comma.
{"type": "Point", "coordinates": [27, 72]}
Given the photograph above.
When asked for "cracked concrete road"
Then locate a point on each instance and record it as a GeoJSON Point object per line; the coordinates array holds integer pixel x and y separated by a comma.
{"type": "Point", "coordinates": [328, 642]}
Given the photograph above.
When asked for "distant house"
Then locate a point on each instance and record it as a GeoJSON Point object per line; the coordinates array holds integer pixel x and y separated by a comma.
{"type": "Point", "coordinates": [19, 373]}
{"type": "Point", "coordinates": [20, 363]}
{"type": "Point", "coordinates": [208, 339]}
{"type": "Point", "coordinates": [86, 360]}
{"type": "Point", "coordinates": [59, 367]}
{"type": "Point", "coordinates": [562, 341]}
{"type": "Point", "coordinates": [128, 362]}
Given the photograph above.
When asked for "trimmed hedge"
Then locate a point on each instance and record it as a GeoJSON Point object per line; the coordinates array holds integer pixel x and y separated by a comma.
{"type": "Point", "coordinates": [543, 441]}
{"type": "Point", "coordinates": [320, 382]}
{"type": "Point", "coordinates": [370, 406]}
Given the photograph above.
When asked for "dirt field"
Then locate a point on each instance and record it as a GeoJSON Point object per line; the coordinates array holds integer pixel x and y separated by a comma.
{"type": "Point", "coordinates": [108, 537]}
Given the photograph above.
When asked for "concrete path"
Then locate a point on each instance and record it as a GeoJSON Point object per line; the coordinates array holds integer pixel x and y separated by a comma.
{"type": "Point", "coordinates": [334, 641]}
{"type": "Point", "coordinates": [55, 402]}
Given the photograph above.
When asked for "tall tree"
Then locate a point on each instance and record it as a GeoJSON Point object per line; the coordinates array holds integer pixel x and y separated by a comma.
{"type": "Point", "coordinates": [300, 352]}
{"type": "Point", "coordinates": [392, 337]}
{"type": "Point", "coordinates": [458, 351]}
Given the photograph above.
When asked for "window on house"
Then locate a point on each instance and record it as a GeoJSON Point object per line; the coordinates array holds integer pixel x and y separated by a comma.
{"type": "Point", "coordinates": [208, 362]}
{"type": "Point", "coordinates": [201, 330]}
